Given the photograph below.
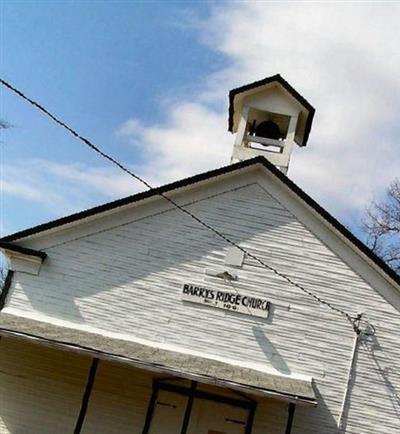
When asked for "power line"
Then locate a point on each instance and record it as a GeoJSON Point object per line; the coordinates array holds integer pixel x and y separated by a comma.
{"type": "Point", "coordinates": [175, 204]}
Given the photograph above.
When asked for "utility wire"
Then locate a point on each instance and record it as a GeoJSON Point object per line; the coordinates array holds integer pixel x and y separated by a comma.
{"type": "Point", "coordinates": [175, 204]}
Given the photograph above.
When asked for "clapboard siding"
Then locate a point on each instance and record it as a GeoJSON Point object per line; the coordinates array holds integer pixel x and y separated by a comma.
{"type": "Point", "coordinates": [127, 279]}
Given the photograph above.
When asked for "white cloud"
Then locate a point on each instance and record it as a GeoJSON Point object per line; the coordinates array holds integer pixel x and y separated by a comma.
{"type": "Point", "coordinates": [343, 58]}
{"type": "Point", "coordinates": [64, 188]}
{"type": "Point", "coordinates": [192, 140]}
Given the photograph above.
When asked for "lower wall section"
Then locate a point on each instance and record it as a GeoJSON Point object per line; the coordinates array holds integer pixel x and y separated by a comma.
{"type": "Point", "coordinates": [41, 391]}
{"type": "Point", "coordinates": [40, 388]}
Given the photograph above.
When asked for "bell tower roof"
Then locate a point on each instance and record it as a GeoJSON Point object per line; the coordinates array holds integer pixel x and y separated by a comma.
{"type": "Point", "coordinates": [276, 93]}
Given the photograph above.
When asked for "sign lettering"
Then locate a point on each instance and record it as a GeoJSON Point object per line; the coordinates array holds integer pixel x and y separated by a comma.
{"type": "Point", "coordinates": [228, 300]}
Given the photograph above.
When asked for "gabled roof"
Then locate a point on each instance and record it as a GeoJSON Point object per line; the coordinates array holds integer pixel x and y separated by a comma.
{"type": "Point", "coordinates": [362, 248]}
{"type": "Point", "coordinates": [307, 112]}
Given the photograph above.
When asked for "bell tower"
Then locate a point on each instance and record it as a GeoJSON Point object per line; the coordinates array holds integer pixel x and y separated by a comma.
{"type": "Point", "coordinates": [268, 116]}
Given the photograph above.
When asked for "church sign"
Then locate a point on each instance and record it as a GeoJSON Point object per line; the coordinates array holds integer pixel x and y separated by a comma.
{"type": "Point", "coordinates": [228, 300]}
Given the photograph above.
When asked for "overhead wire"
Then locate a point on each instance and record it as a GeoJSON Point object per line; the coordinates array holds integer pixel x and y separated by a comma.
{"type": "Point", "coordinates": [121, 166]}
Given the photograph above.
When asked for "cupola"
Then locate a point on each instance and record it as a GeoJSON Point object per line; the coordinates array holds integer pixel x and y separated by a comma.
{"type": "Point", "coordinates": [268, 116]}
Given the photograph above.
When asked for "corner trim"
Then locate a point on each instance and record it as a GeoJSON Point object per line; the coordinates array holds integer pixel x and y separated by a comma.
{"type": "Point", "coordinates": [6, 288]}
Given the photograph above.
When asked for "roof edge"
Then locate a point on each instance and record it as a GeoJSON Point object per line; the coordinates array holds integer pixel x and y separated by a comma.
{"type": "Point", "coordinates": [356, 242]}
{"type": "Point", "coordinates": [363, 248]}
{"type": "Point", "coordinates": [23, 250]}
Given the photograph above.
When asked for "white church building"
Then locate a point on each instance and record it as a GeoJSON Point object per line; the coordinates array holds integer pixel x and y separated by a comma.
{"type": "Point", "coordinates": [253, 312]}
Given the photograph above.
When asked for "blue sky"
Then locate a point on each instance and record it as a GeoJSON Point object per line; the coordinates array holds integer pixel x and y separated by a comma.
{"type": "Point", "coordinates": [95, 65]}
{"type": "Point", "coordinates": [148, 82]}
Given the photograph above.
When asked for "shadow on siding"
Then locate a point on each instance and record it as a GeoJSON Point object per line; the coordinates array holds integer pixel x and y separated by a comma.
{"type": "Point", "coordinates": [270, 351]}
{"type": "Point", "coordinates": [318, 420]}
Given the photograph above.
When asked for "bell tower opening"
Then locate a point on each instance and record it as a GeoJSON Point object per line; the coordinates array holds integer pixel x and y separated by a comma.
{"type": "Point", "coordinates": [268, 117]}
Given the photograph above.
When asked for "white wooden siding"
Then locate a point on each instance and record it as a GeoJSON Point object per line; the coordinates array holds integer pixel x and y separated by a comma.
{"type": "Point", "coordinates": [127, 279]}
